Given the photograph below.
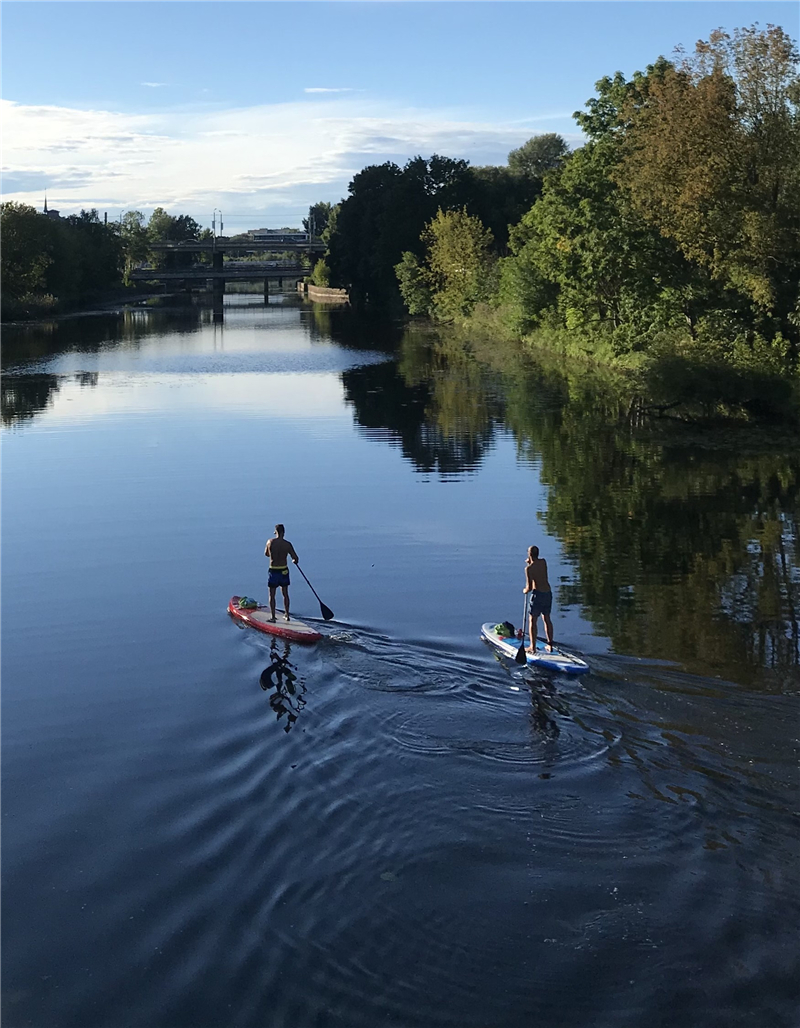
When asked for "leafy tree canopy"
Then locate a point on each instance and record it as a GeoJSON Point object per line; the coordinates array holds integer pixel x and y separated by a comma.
{"type": "Point", "coordinates": [540, 154]}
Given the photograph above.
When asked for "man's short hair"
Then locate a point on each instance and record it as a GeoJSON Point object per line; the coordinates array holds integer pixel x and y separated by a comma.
{"type": "Point", "coordinates": [280, 529]}
{"type": "Point", "coordinates": [533, 551]}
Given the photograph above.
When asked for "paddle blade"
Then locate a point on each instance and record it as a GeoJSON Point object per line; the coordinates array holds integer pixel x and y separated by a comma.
{"type": "Point", "coordinates": [327, 613]}
{"type": "Point", "coordinates": [521, 657]}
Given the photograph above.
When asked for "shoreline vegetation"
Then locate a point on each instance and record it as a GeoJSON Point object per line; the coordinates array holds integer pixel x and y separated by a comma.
{"type": "Point", "coordinates": [662, 255]}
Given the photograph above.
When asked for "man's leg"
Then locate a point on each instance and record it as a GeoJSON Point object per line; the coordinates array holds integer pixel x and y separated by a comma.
{"type": "Point", "coordinates": [272, 603]}
{"type": "Point", "coordinates": [548, 632]}
{"type": "Point", "coordinates": [285, 590]}
{"type": "Point", "coordinates": [532, 632]}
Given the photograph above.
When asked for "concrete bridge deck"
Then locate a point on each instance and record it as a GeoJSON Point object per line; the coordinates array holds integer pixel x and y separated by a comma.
{"type": "Point", "coordinates": [244, 271]}
{"type": "Point", "coordinates": [218, 246]}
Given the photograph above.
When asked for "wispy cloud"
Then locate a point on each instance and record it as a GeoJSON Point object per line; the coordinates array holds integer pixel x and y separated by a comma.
{"type": "Point", "coordinates": [153, 85]}
{"type": "Point", "coordinates": [328, 89]}
{"type": "Point", "coordinates": [271, 160]}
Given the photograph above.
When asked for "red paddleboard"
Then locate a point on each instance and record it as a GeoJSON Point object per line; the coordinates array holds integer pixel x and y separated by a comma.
{"type": "Point", "coordinates": [258, 617]}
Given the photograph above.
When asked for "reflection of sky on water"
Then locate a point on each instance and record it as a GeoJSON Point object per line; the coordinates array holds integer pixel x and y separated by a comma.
{"type": "Point", "coordinates": [115, 394]}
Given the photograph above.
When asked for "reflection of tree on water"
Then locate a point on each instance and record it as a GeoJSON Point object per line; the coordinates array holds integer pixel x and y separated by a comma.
{"type": "Point", "coordinates": [684, 547]}
{"type": "Point", "coordinates": [287, 700]}
{"type": "Point", "coordinates": [25, 396]}
{"type": "Point", "coordinates": [437, 407]}
{"type": "Point", "coordinates": [353, 330]}
{"type": "Point", "coordinates": [124, 329]}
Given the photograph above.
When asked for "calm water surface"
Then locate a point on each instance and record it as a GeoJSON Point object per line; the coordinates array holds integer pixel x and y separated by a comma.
{"type": "Point", "coordinates": [407, 831]}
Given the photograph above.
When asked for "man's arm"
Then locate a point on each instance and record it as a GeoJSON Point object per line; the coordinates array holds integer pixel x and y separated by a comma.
{"type": "Point", "coordinates": [528, 578]}
{"type": "Point", "coordinates": [293, 555]}
{"type": "Point", "coordinates": [266, 548]}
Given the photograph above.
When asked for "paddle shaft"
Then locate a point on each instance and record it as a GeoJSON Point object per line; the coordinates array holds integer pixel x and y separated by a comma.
{"type": "Point", "coordinates": [327, 613]}
{"type": "Point", "coordinates": [521, 657]}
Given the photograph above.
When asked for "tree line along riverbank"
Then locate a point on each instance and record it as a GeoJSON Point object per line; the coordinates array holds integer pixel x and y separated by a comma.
{"type": "Point", "coordinates": [667, 247]}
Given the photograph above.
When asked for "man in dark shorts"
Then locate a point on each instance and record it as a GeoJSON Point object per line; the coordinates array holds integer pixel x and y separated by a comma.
{"type": "Point", "coordinates": [538, 585]}
{"type": "Point", "coordinates": [278, 550]}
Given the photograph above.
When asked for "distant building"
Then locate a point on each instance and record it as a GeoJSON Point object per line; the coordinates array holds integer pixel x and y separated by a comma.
{"type": "Point", "coordinates": [50, 213]}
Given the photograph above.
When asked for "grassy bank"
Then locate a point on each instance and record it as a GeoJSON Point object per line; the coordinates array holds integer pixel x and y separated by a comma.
{"type": "Point", "coordinates": [700, 378]}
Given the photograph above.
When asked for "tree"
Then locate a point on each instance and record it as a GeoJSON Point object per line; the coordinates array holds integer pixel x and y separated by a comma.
{"type": "Point", "coordinates": [321, 274]}
{"type": "Point", "coordinates": [135, 242]}
{"type": "Point", "coordinates": [414, 285]}
{"type": "Point", "coordinates": [539, 155]}
{"type": "Point", "coordinates": [318, 217]}
{"type": "Point", "coordinates": [499, 197]}
{"type": "Point", "coordinates": [56, 260]}
{"type": "Point", "coordinates": [167, 228]}
{"type": "Point", "coordinates": [26, 252]}
{"type": "Point", "coordinates": [383, 217]}
{"type": "Point", "coordinates": [582, 251]}
{"type": "Point", "coordinates": [712, 160]}
{"type": "Point", "coordinates": [458, 271]}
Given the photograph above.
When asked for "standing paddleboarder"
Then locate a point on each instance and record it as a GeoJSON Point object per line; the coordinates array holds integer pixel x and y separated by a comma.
{"type": "Point", "coordinates": [278, 550]}
{"type": "Point", "coordinates": [538, 585]}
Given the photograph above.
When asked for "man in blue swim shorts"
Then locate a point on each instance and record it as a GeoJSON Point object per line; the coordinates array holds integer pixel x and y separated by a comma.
{"type": "Point", "coordinates": [538, 585]}
{"type": "Point", "coordinates": [278, 550]}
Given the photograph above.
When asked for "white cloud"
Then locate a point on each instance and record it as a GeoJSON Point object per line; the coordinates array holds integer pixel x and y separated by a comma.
{"type": "Point", "coordinates": [327, 89]}
{"type": "Point", "coordinates": [153, 85]}
{"type": "Point", "coordinates": [263, 164]}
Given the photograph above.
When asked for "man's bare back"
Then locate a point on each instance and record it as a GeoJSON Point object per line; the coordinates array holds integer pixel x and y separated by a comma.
{"type": "Point", "coordinates": [536, 575]}
{"type": "Point", "coordinates": [278, 550]}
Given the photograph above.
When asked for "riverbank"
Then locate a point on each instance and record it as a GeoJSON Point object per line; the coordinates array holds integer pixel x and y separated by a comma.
{"type": "Point", "coordinates": [692, 380]}
{"type": "Point", "coordinates": [48, 308]}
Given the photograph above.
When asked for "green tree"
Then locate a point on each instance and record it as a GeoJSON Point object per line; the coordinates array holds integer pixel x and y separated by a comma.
{"type": "Point", "coordinates": [415, 287]}
{"type": "Point", "coordinates": [26, 253]}
{"type": "Point", "coordinates": [135, 241]}
{"type": "Point", "coordinates": [383, 217]}
{"type": "Point", "coordinates": [538, 155]}
{"type": "Point", "coordinates": [712, 160]}
{"type": "Point", "coordinates": [167, 228]}
{"type": "Point", "coordinates": [321, 274]}
{"type": "Point", "coordinates": [499, 197]}
{"type": "Point", "coordinates": [318, 217]}
{"type": "Point", "coordinates": [458, 271]}
{"type": "Point", "coordinates": [608, 267]}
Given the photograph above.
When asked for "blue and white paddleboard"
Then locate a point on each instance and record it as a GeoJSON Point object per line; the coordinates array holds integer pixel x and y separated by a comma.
{"type": "Point", "coordinates": [558, 660]}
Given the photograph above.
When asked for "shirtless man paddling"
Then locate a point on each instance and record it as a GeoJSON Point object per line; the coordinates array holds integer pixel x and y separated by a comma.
{"type": "Point", "coordinates": [278, 549]}
{"type": "Point", "coordinates": [538, 585]}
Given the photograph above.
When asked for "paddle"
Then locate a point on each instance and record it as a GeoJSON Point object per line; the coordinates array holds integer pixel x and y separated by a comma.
{"type": "Point", "coordinates": [521, 656]}
{"type": "Point", "coordinates": [326, 612]}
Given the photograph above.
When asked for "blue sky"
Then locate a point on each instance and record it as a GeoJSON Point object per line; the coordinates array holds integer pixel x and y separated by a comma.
{"type": "Point", "coordinates": [260, 109]}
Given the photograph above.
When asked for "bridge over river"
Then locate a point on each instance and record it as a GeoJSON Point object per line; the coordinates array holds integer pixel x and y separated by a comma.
{"type": "Point", "coordinates": [220, 270]}
{"type": "Point", "coordinates": [242, 271]}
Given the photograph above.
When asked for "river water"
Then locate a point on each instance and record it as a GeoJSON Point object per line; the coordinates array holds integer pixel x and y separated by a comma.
{"type": "Point", "coordinates": [404, 830]}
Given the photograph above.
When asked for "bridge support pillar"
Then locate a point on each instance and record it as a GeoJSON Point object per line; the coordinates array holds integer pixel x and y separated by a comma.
{"type": "Point", "coordinates": [266, 290]}
{"type": "Point", "coordinates": [219, 283]}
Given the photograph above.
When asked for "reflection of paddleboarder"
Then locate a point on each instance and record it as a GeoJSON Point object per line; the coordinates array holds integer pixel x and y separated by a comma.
{"type": "Point", "coordinates": [538, 585]}
{"type": "Point", "coordinates": [287, 698]}
{"type": "Point", "coordinates": [278, 550]}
